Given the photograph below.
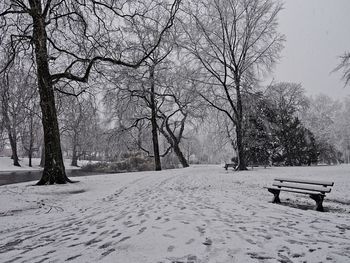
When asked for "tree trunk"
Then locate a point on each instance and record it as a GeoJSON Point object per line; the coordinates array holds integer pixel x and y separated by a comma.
{"type": "Point", "coordinates": [242, 165]}
{"type": "Point", "coordinates": [54, 171]}
{"type": "Point", "coordinates": [157, 163]}
{"type": "Point", "coordinates": [13, 144]}
{"type": "Point", "coordinates": [31, 141]}
{"type": "Point", "coordinates": [180, 156]}
{"type": "Point", "coordinates": [42, 157]}
{"type": "Point", "coordinates": [188, 153]}
{"type": "Point", "coordinates": [74, 155]}
{"type": "Point", "coordinates": [175, 142]}
{"type": "Point", "coordinates": [30, 159]}
{"type": "Point", "coordinates": [30, 153]}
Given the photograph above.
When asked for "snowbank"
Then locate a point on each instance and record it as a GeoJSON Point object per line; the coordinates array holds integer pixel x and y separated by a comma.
{"type": "Point", "coordinates": [198, 214]}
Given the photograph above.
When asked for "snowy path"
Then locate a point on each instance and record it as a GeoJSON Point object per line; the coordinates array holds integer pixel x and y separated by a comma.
{"type": "Point", "coordinates": [167, 216]}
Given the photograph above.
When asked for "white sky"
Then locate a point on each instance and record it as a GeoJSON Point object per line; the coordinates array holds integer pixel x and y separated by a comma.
{"type": "Point", "coordinates": [317, 33]}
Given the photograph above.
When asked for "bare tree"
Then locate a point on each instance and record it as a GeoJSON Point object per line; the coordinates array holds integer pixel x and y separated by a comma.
{"type": "Point", "coordinates": [141, 89]}
{"type": "Point", "coordinates": [180, 106]}
{"type": "Point", "coordinates": [151, 101]}
{"type": "Point", "coordinates": [17, 94]}
{"type": "Point", "coordinates": [287, 98]}
{"type": "Point", "coordinates": [79, 123]}
{"type": "Point", "coordinates": [10, 120]}
{"type": "Point", "coordinates": [31, 128]}
{"type": "Point", "coordinates": [232, 40]}
{"type": "Point", "coordinates": [137, 102]}
{"type": "Point", "coordinates": [173, 130]}
{"type": "Point", "coordinates": [68, 38]}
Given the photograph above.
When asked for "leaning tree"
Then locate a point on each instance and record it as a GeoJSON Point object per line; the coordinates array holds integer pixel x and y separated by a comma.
{"type": "Point", "coordinates": [68, 38]}
{"type": "Point", "coordinates": [233, 41]}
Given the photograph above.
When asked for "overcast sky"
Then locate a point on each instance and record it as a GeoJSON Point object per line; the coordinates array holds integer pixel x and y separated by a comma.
{"type": "Point", "coordinates": [317, 33]}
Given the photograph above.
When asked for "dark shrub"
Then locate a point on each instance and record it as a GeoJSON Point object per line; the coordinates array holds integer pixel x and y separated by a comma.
{"type": "Point", "coordinates": [131, 164]}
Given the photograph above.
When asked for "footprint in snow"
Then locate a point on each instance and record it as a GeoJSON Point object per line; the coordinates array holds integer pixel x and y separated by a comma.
{"type": "Point", "coordinates": [92, 241]}
{"type": "Point", "coordinates": [142, 230]}
{"type": "Point", "coordinates": [208, 242]}
{"type": "Point", "coordinates": [167, 235]}
{"type": "Point", "coordinates": [170, 248]}
{"type": "Point", "coordinates": [201, 230]}
{"type": "Point", "coordinates": [108, 252]}
{"type": "Point", "coordinates": [190, 241]}
{"type": "Point", "coordinates": [123, 239]}
{"type": "Point", "coordinates": [105, 245]}
{"type": "Point", "coordinates": [116, 235]}
{"type": "Point", "coordinates": [72, 258]}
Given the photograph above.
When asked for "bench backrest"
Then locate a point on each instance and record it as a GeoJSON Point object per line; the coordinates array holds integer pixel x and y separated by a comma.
{"type": "Point", "coordinates": [304, 181]}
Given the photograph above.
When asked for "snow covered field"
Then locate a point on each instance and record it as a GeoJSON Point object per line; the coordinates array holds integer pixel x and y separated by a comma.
{"type": "Point", "coordinates": [198, 214]}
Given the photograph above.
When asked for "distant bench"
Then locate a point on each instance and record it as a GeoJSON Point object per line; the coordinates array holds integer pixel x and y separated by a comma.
{"type": "Point", "coordinates": [234, 165]}
{"type": "Point", "coordinates": [258, 165]}
{"type": "Point", "coordinates": [315, 189]}
{"type": "Point", "coordinates": [227, 165]}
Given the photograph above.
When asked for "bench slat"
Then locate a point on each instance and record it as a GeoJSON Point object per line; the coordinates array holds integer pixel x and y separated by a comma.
{"type": "Point", "coordinates": [293, 191]}
{"type": "Point", "coordinates": [303, 187]}
{"type": "Point", "coordinates": [304, 181]}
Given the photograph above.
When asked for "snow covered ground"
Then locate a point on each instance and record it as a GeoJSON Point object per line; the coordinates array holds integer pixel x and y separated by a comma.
{"type": "Point", "coordinates": [6, 164]}
{"type": "Point", "coordinates": [198, 214]}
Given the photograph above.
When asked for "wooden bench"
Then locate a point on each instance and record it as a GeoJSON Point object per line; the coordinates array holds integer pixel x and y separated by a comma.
{"type": "Point", "coordinates": [315, 189]}
{"type": "Point", "coordinates": [227, 165]}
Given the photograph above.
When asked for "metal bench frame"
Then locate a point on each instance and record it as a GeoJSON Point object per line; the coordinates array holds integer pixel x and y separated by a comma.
{"type": "Point", "coordinates": [227, 165]}
{"type": "Point", "coordinates": [315, 189]}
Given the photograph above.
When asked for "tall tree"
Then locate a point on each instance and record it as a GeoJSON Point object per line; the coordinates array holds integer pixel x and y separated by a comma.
{"type": "Point", "coordinates": [322, 118]}
{"type": "Point", "coordinates": [144, 86]}
{"type": "Point", "coordinates": [258, 134]}
{"type": "Point", "coordinates": [10, 119]}
{"type": "Point", "coordinates": [342, 131]}
{"type": "Point", "coordinates": [138, 97]}
{"type": "Point", "coordinates": [68, 38]}
{"type": "Point", "coordinates": [293, 143]}
{"type": "Point", "coordinates": [232, 40]}
{"type": "Point", "coordinates": [31, 128]}
{"type": "Point", "coordinates": [17, 94]}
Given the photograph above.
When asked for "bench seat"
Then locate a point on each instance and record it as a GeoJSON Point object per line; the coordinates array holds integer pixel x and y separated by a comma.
{"type": "Point", "coordinates": [294, 191]}
{"type": "Point", "coordinates": [315, 188]}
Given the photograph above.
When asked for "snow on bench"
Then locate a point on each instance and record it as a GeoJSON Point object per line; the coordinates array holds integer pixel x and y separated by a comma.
{"type": "Point", "coordinates": [315, 189]}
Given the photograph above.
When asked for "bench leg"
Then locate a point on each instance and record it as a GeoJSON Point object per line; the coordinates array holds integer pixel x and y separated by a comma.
{"type": "Point", "coordinates": [319, 200]}
{"type": "Point", "coordinates": [276, 193]}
